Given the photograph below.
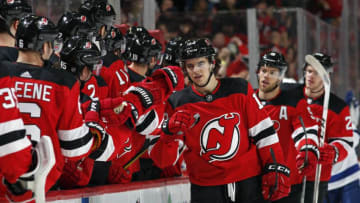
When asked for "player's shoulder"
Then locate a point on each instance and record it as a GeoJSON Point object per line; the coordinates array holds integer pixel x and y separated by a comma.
{"type": "Point", "coordinates": [182, 97]}
{"type": "Point", "coordinates": [57, 76]}
{"type": "Point", "coordinates": [233, 85]}
{"type": "Point", "coordinates": [336, 104]}
{"type": "Point", "coordinates": [8, 53]}
{"type": "Point", "coordinates": [100, 81]}
{"type": "Point", "coordinates": [291, 94]}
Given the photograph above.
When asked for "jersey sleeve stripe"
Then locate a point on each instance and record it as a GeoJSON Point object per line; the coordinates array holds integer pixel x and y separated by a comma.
{"type": "Point", "coordinates": [97, 153]}
{"type": "Point", "coordinates": [311, 133]}
{"type": "Point", "coordinates": [11, 137]}
{"type": "Point", "coordinates": [263, 134]}
{"type": "Point", "coordinates": [148, 124]}
{"type": "Point", "coordinates": [15, 146]}
{"type": "Point", "coordinates": [258, 128]}
{"type": "Point", "coordinates": [79, 151]}
{"type": "Point", "coordinates": [108, 152]}
{"type": "Point", "coordinates": [73, 134]}
{"type": "Point", "coordinates": [347, 145]}
{"type": "Point", "coordinates": [347, 140]}
{"type": "Point", "coordinates": [76, 143]}
{"type": "Point", "coordinates": [267, 141]}
{"type": "Point", "coordinates": [13, 125]}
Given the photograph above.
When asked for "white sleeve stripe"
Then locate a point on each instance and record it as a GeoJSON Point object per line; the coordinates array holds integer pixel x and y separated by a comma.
{"type": "Point", "coordinates": [109, 150]}
{"type": "Point", "coordinates": [78, 151]}
{"type": "Point", "coordinates": [12, 125]}
{"type": "Point", "coordinates": [269, 140]}
{"type": "Point", "coordinates": [344, 144]}
{"type": "Point", "coordinates": [309, 137]}
{"type": "Point", "coordinates": [264, 124]}
{"type": "Point", "coordinates": [300, 130]}
{"type": "Point", "coordinates": [348, 139]}
{"type": "Point", "coordinates": [73, 134]}
{"type": "Point", "coordinates": [15, 146]}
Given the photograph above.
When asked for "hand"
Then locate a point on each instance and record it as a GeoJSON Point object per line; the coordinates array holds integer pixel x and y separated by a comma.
{"type": "Point", "coordinates": [16, 192]}
{"type": "Point", "coordinates": [116, 111]}
{"type": "Point", "coordinates": [92, 113]}
{"type": "Point", "coordinates": [77, 173]}
{"type": "Point", "coordinates": [307, 167]}
{"type": "Point", "coordinates": [328, 154]}
{"type": "Point", "coordinates": [179, 122]}
{"type": "Point", "coordinates": [275, 182]}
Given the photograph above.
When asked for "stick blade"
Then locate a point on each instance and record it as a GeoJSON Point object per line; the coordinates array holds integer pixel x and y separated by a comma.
{"type": "Point", "coordinates": [311, 60]}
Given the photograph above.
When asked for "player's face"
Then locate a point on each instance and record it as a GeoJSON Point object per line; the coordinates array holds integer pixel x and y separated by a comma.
{"type": "Point", "coordinates": [312, 79]}
{"type": "Point", "coordinates": [268, 78]}
{"type": "Point", "coordinates": [198, 69]}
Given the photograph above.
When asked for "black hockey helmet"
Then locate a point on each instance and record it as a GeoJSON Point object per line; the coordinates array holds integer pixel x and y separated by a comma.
{"type": "Point", "coordinates": [171, 53]}
{"type": "Point", "coordinates": [79, 52]}
{"type": "Point", "coordinates": [33, 31]}
{"type": "Point", "coordinates": [137, 32]}
{"type": "Point", "coordinates": [115, 40]}
{"type": "Point", "coordinates": [324, 59]}
{"type": "Point", "coordinates": [100, 12]}
{"type": "Point", "coordinates": [196, 48]}
{"type": "Point", "coordinates": [140, 50]}
{"type": "Point", "coordinates": [273, 59]}
{"type": "Point", "coordinates": [12, 10]}
{"type": "Point", "coordinates": [74, 24]}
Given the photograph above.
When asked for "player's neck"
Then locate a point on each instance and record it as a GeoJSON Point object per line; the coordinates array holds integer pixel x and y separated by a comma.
{"type": "Point", "coordinates": [141, 69]}
{"type": "Point", "coordinates": [30, 57]}
{"type": "Point", "coordinates": [209, 88]}
{"type": "Point", "coordinates": [6, 40]}
{"type": "Point", "coordinates": [269, 95]}
{"type": "Point", "coordinates": [314, 93]}
{"type": "Point", "coordinates": [85, 74]}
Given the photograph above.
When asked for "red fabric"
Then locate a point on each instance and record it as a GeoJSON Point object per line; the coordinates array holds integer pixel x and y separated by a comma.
{"type": "Point", "coordinates": [309, 168]}
{"type": "Point", "coordinates": [95, 88]}
{"type": "Point", "coordinates": [236, 112]}
{"type": "Point", "coordinates": [180, 121]}
{"type": "Point", "coordinates": [76, 173]}
{"type": "Point", "coordinates": [334, 10]}
{"type": "Point", "coordinates": [268, 183]}
{"type": "Point", "coordinates": [236, 67]}
{"type": "Point", "coordinates": [19, 155]}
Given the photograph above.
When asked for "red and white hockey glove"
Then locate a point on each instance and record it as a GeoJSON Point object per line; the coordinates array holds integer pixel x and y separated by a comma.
{"type": "Point", "coordinates": [179, 122]}
{"type": "Point", "coordinates": [169, 79]}
{"type": "Point", "coordinates": [329, 154]}
{"type": "Point", "coordinates": [92, 113]}
{"type": "Point", "coordinates": [307, 167]}
{"type": "Point", "coordinates": [107, 112]}
{"type": "Point", "coordinates": [76, 173]}
{"type": "Point", "coordinates": [275, 182]}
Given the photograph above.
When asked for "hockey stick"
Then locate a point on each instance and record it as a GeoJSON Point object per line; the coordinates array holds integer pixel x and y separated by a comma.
{"type": "Point", "coordinates": [150, 142]}
{"type": "Point", "coordinates": [273, 188]}
{"type": "Point", "coordinates": [326, 81]}
{"type": "Point", "coordinates": [302, 200]}
{"type": "Point", "coordinates": [47, 162]}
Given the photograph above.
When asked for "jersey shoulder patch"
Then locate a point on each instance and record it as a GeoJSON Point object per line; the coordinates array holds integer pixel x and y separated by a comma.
{"type": "Point", "coordinates": [336, 104]}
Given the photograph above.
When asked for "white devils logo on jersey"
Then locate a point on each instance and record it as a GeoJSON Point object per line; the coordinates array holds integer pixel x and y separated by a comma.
{"type": "Point", "coordinates": [220, 137]}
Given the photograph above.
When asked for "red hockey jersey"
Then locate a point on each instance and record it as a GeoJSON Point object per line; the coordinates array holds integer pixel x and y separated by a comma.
{"type": "Point", "coordinates": [282, 111]}
{"type": "Point", "coordinates": [15, 147]}
{"type": "Point", "coordinates": [339, 130]}
{"type": "Point", "coordinates": [49, 104]}
{"type": "Point", "coordinates": [232, 139]}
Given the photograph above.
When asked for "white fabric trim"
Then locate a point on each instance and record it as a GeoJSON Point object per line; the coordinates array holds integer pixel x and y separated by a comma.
{"type": "Point", "coordinates": [79, 151]}
{"type": "Point", "coordinates": [262, 125]}
{"type": "Point", "coordinates": [12, 125]}
{"type": "Point", "coordinates": [73, 134]}
{"type": "Point", "coordinates": [345, 181]}
{"type": "Point", "coordinates": [109, 150]}
{"type": "Point", "coordinates": [152, 126]}
{"type": "Point", "coordinates": [15, 146]}
{"type": "Point", "coordinates": [269, 140]}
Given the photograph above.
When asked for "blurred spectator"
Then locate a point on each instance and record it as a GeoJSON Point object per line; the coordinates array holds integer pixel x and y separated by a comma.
{"type": "Point", "coordinates": [218, 40]}
{"type": "Point", "coordinates": [186, 28]}
{"type": "Point", "coordinates": [329, 10]}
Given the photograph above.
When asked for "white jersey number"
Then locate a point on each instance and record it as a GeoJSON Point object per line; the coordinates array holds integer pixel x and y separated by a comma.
{"type": "Point", "coordinates": [35, 112]}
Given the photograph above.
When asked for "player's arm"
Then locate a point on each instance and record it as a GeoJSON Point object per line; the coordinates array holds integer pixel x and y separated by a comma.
{"type": "Point", "coordinates": [275, 179]}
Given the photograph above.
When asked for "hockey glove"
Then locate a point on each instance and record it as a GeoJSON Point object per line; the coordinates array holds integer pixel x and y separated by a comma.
{"type": "Point", "coordinates": [178, 123]}
{"type": "Point", "coordinates": [275, 182]}
{"type": "Point", "coordinates": [92, 113]}
{"type": "Point", "coordinates": [76, 173]}
{"type": "Point", "coordinates": [329, 154]}
{"type": "Point", "coordinates": [124, 111]}
{"type": "Point", "coordinates": [307, 167]}
{"type": "Point", "coordinates": [170, 78]}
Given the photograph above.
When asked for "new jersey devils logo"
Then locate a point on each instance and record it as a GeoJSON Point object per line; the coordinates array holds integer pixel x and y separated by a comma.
{"type": "Point", "coordinates": [220, 137]}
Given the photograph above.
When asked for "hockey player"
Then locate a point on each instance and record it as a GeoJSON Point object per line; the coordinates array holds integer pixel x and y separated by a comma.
{"type": "Point", "coordinates": [15, 147]}
{"type": "Point", "coordinates": [10, 13]}
{"type": "Point", "coordinates": [49, 98]}
{"type": "Point", "coordinates": [338, 135]}
{"type": "Point", "coordinates": [228, 135]}
{"type": "Point", "coordinates": [344, 185]}
{"type": "Point", "coordinates": [281, 107]}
